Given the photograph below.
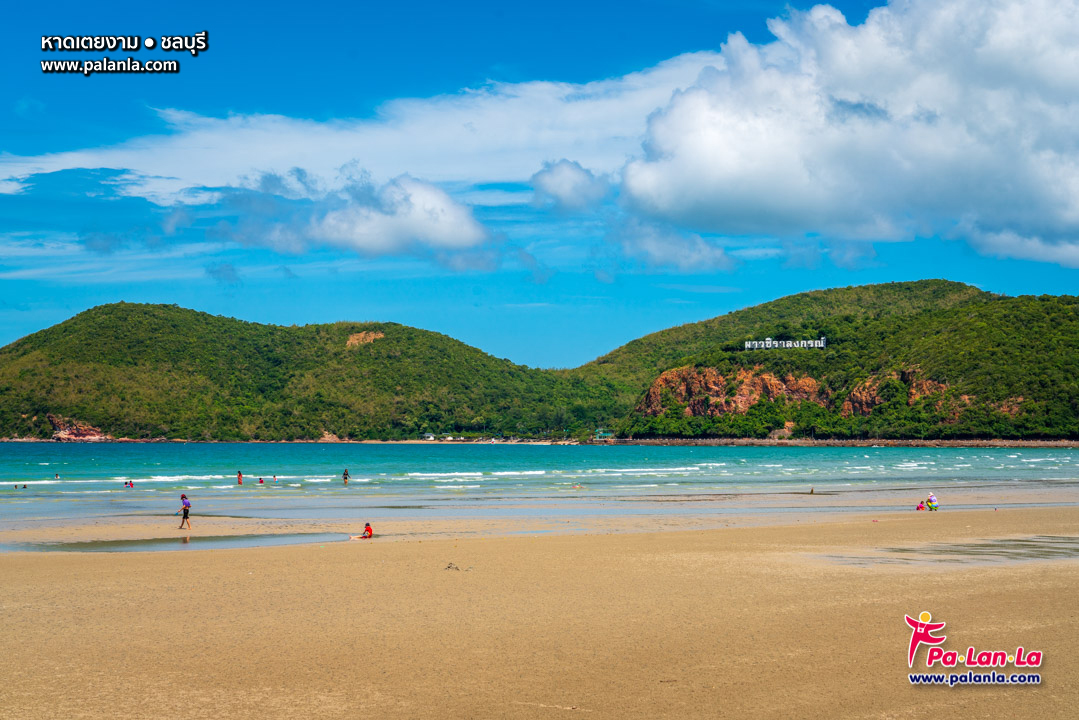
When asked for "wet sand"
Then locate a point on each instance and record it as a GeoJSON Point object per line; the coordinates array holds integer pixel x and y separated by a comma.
{"type": "Point", "coordinates": [729, 622]}
{"type": "Point", "coordinates": [569, 513]}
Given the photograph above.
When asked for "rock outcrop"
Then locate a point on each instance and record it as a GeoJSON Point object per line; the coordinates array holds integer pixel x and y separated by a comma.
{"type": "Point", "coordinates": [74, 431]}
{"type": "Point", "coordinates": [707, 393]}
{"type": "Point", "coordinates": [863, 398]}
{"type": "Point", "coordinates": [362, 338]}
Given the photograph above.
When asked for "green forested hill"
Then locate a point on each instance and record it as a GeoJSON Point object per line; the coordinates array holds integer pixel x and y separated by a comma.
{"type": "Point", "coordinates": [163, 371]}
{"type": "Point", "coordinates": [920, 359]}
{"type": "Point", "coordinates": [988, 367]}
{"type": "Point", "coordinates": [803, 316]}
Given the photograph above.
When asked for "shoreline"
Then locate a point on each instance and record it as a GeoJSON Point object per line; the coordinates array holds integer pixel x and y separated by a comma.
{"type": "Point", "coordinates": [808, 442]}
{"type": "Point", "coordinates": [544, 516]}
{"type": "Point", "coordinates": [660, 442]}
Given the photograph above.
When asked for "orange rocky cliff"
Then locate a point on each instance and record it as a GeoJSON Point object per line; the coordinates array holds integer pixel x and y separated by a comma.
{"type": "Point", "coordinates": [707, 393]}
{"type": "Point", "coordinates": [64, 429]}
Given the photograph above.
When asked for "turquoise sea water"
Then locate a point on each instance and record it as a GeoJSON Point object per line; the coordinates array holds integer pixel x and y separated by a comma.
{"type": "Point", "coordinates": [389, 480]}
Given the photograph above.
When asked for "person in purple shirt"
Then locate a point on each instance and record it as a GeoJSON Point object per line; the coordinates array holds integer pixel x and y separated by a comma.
{"type": "Point", "coordinates": [186, 509]}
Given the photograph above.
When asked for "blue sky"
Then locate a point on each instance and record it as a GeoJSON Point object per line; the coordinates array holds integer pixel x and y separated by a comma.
{"type": "Point", "coordinates": [545, 182]}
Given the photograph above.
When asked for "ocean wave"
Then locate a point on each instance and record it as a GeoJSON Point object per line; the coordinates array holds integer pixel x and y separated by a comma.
{"type": "Point", "coordinates": [446, 474]}
{"type": "Point", "coordinates": [643, 471]}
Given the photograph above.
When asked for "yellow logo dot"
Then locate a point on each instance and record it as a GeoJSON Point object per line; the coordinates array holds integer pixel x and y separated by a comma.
{"type": "Point", "coordinates": [925, 616]}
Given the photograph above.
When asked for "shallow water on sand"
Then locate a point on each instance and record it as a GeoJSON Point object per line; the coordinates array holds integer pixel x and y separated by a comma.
{"type": "Point", "coordinates": [185, 542]}
{"type": "Point", "coordinates": [1000, 550]}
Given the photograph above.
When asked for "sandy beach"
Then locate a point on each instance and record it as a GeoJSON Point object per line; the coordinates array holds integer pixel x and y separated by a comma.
{"type": "Point", "coordinates": [803, 619]}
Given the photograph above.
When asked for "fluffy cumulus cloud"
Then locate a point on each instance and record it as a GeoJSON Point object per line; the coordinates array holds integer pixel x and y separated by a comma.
{"type": "Point", "coordinates": [952, 117]}
{"type": "Point", "coordinates": [933, 117]}
{"type": "Point", "coordinates": [568, 186]}
{"type": "Point", "coordinates": [404, 215]}
{"type": "Point", "coordinates": [406, 211]}
{"type": "Point", "coordinates": [498, 133]}
{"type": "Point", "coordinates": [660, 246]}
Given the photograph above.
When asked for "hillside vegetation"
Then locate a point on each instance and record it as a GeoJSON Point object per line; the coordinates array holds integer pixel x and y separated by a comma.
{"type": "Point", "coordinates": [994, 367]}
{"type": "Point", "coordinates": [922, 359]}
{"type": "Point", "coordinates": [143, 371]}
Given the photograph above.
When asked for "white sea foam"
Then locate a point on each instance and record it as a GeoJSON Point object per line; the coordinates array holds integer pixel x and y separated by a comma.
{"type": "Point", "coordinates": [446, 474]}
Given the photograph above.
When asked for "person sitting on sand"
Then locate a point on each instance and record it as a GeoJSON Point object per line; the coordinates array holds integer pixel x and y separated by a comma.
{"type": "Point", "coordinates": [931, 502]}
{"type": "Point", "coordinates": [921, 505]}
{"type": "Point", "coordinates": [368, 533]}
{"type": "Point", "coordinates": [186, 507]}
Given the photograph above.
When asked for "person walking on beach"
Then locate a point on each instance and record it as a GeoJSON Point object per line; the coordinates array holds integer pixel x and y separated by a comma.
{"type": "Point", "coordinates": [368, 533]}
{"type": "Point", "coordinates": [186, 508]}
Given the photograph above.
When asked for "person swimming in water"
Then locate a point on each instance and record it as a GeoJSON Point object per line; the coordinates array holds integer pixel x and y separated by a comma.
{"type": "Point", "coordinates": [368, 533]}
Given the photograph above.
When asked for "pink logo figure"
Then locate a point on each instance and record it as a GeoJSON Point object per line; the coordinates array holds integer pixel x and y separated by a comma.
{"type": "Point", "coordinates": [923, 634]}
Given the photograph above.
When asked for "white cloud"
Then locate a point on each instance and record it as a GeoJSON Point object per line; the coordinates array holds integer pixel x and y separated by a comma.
{"type": "Point", "coordinates": [949, 117]}
{"type": "Point", "coordinates": [498, 133]}
{"type": "Point", "coordinates": [928, 116]}
{"type": "Point", "coordinates": [408, 212]}
{"type": "Point", "coordinates": [568, 186]}
{"type": "Point", "coordinates": [665, 247]}
{"type": "Point", "coordinates": [1008, 244]}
